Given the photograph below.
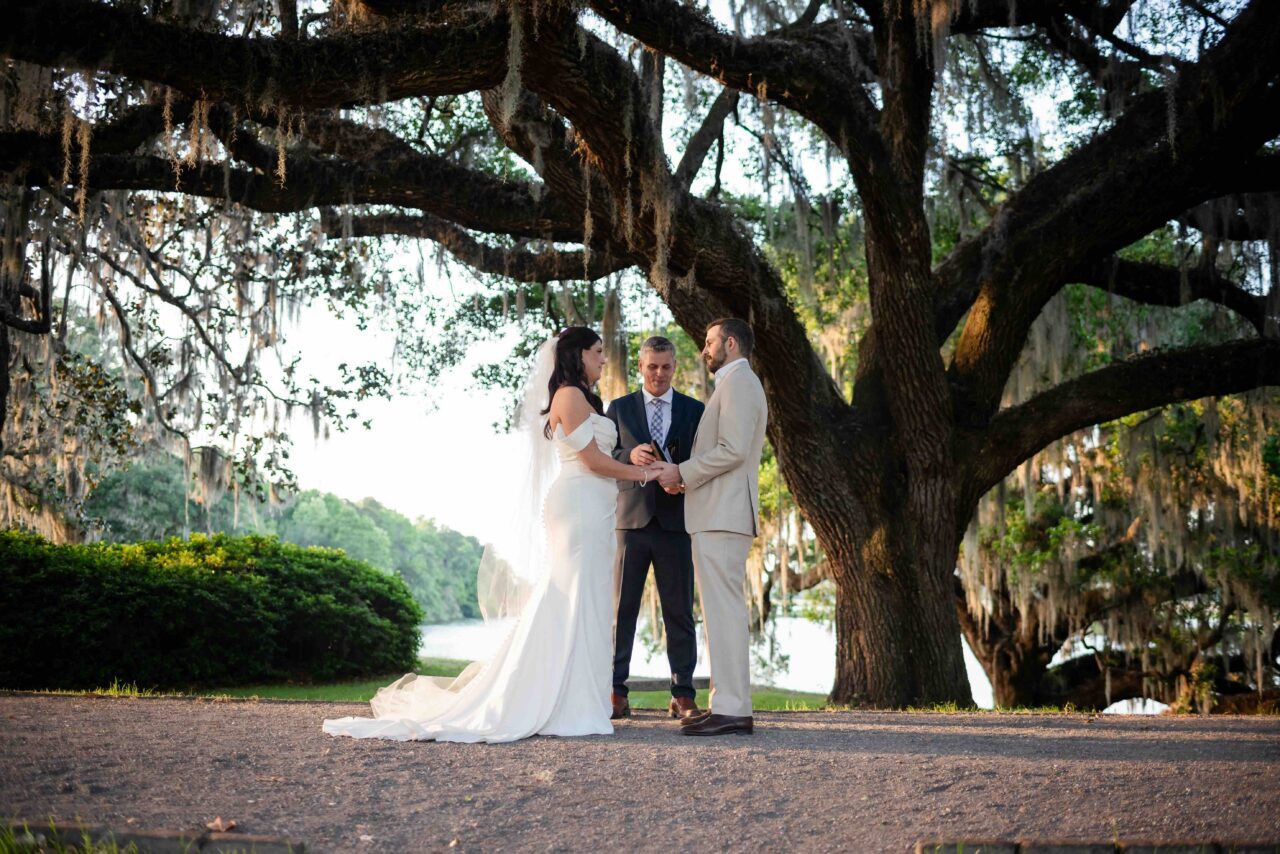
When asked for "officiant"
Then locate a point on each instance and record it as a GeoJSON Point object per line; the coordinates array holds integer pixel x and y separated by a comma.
{"type": "Point", "coordinates": [655, 422]}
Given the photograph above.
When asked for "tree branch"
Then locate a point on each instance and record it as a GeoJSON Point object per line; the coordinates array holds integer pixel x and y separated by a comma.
{"type": "Point", "coordinates": [1134, 385]}
{"type": "Point", "coordinates": [432, 184]}
{"type": "Point", "coordinates": [1110, 192]}
{"type": "Point", "coordinates": [1157, 284]}
{"type": "Point", "coordinates": [34, 326]}
{"type": "Point", "coordinates": [1205, 12]}
{"type": "Point", "coordinates": [960, 276]}
{"type": "Point", "coordinates": [520, 265]}
{"type": "Point", "coordinates": [1120, 79]}
{"type": "Point", "coordinates": [705, 136]}
{"type": "Point", "coordinates": [540, 136]}
{"type": "Point", "coordinates": [288, 12]}
{"type": "Point", "coordinates": [806, 68]}
{"type": "Point", "coordinates": [977, 15]}
{"type": "Point", "coordinates": [426, 59]}
{"type": "Point", "coordinates": [1244, 216]}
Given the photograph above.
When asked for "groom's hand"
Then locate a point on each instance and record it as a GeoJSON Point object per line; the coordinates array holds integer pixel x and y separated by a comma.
{"type": "Point", "coordinates": [669, 476]}
{"type": "Point", "coordinates": [641, 455]}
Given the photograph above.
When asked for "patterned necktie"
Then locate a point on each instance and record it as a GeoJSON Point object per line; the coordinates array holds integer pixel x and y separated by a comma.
{"type": "Point", "coordinates": [655, 421]}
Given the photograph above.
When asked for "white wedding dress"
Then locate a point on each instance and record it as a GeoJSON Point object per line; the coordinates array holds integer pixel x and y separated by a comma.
{"type": "Point", "coordinates": [552, 673]}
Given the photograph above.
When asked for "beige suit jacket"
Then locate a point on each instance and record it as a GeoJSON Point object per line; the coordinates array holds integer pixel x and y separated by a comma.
{"type": "Point", "coordinates": [722, 476]}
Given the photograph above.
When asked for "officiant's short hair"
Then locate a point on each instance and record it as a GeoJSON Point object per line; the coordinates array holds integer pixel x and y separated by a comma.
{"type": "Point", "coordinates": [658, 344]}
{"type": "Point", "coordinates": [737, 328]}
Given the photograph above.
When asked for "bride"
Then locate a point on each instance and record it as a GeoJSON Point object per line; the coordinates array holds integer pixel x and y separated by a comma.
{"type": "Point", "coordinates": [551, 675]}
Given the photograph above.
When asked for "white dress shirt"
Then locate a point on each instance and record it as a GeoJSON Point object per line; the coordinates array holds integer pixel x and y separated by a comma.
{"type": "Point", "coordinates": [728, 368]}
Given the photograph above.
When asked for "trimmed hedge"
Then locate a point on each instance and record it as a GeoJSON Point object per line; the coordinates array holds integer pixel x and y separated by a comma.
{"type": "Point", "coordinates": [217, 610]}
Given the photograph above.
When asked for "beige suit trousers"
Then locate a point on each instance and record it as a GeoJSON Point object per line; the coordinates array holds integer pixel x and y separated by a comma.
{"type": "Point", "coordinates": [720, 567]}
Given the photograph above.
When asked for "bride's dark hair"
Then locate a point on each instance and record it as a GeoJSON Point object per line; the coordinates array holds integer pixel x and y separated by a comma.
{"type": "Point", "coordinates": [569, 370]}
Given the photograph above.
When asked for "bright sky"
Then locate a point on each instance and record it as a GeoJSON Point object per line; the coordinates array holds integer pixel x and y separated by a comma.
{"type": "Point", "coordinates": [437, 457]}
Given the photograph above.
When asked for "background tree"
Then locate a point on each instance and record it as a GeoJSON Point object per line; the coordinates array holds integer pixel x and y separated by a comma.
{"type": "Point", "coordinates": [293, 108]}
{"type": "Point", "coordinates": [149, 501]}
{"type": "Point", "coordinates": [1147, 545]}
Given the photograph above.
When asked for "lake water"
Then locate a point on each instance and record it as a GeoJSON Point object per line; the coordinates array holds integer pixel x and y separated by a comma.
{"type": "Point", "coordinates": [796, 654]}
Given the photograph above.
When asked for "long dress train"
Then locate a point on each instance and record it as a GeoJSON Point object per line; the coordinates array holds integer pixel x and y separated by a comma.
{"type": "Point", "coordinates": [551, 674]}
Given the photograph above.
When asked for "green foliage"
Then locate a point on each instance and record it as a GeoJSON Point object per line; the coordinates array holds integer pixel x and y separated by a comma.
{"type": "Point", "coordinates": [148, 502]}
{"type": "Point", "coordinates": [1271, 458]}
{"type": "Point", "coordinates": [1197, 694]}
{"type": "Point", "coordinates": [212, 610]}
{"type": "Point", "coordinates": [70, 421]}
{"type": "Point", "coordinates": [437, 563]}
{"type": "Point", "coordinates": [1028, 545]}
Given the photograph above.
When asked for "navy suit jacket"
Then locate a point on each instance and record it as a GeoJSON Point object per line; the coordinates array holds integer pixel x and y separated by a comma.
{"type": "Point", "coordinates": [638, 505]}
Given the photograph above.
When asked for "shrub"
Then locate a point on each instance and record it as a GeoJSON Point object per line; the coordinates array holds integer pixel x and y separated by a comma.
{"type": "Point", "coordinates": [217, 610]}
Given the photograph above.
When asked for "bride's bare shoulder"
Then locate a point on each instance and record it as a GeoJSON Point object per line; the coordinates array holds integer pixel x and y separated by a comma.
{"type": "Point", "coordinates": [569, 408]}
{"type": "Point", "coordinates": [569, 396]}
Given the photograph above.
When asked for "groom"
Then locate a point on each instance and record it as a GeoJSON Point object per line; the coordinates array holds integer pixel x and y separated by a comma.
{"type": "Point", "coordinates": [650, 525]}
{"type": "Point", "coordinates": [721, 481]}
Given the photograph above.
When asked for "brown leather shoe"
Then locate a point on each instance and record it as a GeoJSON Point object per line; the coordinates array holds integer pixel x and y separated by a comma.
{"type": "Point", "coordinates": [683, 707]}
{"type": "Point", "coordinates": [693, 719]}
{"type": "Point", "coordinates": [621, 707]}
{"type": "Point", "coordinates": [719, 725]}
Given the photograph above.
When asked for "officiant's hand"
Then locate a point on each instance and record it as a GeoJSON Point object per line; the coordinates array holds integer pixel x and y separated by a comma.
{"type": "Point", "coordinates": [642, 455]}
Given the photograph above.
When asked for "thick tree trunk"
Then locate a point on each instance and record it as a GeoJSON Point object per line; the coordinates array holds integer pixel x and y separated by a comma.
{"type": "Point", "coordinates": [894, 646]}
{"type": "Point", "coordinates": [4, 382]}
{"type": "Point", "coordinates": [872, 667]}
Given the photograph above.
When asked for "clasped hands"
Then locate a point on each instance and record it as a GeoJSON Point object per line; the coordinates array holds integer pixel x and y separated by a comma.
{"type": "Point", "coordinates": [667, 474]}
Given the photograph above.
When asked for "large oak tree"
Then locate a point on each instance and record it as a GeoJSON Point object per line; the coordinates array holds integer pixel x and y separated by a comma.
{"type": "Point", "coordinates": [888, 476]}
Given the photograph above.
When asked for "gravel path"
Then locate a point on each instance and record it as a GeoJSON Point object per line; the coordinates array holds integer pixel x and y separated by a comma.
{"type": "Point", "coordinates": [821, 781]}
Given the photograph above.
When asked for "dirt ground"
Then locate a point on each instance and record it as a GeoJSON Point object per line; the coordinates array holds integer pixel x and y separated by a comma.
{"type": "Point", "coordinates": [815, 780]}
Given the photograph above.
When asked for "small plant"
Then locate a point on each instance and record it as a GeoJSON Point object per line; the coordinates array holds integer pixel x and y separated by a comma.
{"type": "Point", "coordinates": [125, 689]}
{"type": "Point", "coordinates": [23, 839]}
{"type": "Point", "coordinates": [1196, 692]}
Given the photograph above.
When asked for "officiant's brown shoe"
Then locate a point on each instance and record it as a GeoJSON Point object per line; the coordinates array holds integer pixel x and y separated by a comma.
{"type": "Point", "coordinates": [683, 707]}
{"type": "Point", "coordinates": [693, 719]}
{"type": "Point", "coordinates": [621, 707]}
{"type": "Point", "coordinates": [719, 725]}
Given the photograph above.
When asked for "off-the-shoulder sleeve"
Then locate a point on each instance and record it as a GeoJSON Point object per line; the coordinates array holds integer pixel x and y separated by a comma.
{"type": "Point", "coordinates": [581, 436]}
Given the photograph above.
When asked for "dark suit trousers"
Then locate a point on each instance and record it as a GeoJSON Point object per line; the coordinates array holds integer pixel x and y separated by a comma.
{"type": "Point", "coordinates": [671, 554]}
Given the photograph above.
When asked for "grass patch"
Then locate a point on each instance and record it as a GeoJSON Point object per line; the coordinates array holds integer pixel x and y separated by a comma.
{"type": "Point", "coordinates": [52, 840]}
{"type": "Point", "coordinates": [115, 689]}
{"type": "Point", "coordinates": [357, 691]}
{"type": "Point", "coordinates": [762, 700]}
{"type": "Point", "coordinates": [954, 709]}
{"type": "Point", "coordinates": [360, 691]}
